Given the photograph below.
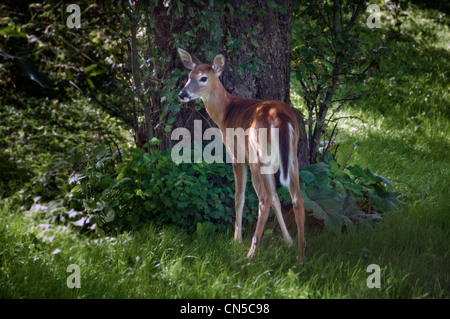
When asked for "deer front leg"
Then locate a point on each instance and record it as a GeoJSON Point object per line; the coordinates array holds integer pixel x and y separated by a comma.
{"type": "Point", "coordinates": [240, 179]}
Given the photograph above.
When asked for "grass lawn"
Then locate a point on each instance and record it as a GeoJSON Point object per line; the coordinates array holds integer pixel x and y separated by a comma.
{"type": "Point", "coordinates": [404, 136]}
{"type": "Point", "coordinates": [411, 248]}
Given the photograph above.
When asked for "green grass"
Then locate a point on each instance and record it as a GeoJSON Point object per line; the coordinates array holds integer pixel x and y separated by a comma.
{"type": "Point", "coordinates": [404, 136]}
{"type": "Point", "coordinates": [411, 248]}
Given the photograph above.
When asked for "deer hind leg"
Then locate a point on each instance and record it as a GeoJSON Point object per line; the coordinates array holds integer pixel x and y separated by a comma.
{"type": "Point", "coordinates": [298, 207]}
{"type": "Point", "coordinates": [261, 184]}
{"type": "Point", "coordinates": [276, 206]}
{"type": "Point", "coordinates": [240, 178]}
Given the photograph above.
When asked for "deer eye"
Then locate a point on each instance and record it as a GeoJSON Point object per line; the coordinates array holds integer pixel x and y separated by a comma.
{"type": "Point", "coordinates": [203, 79]}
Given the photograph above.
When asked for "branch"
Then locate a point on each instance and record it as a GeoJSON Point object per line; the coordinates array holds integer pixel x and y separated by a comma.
{"type": "Point", "coordinates": [117, 146]}
{"type": "Point", "coordinates": [127, 12]}
{"type": "Point", "coordinates": [354, 16]}
{"type": "Point", "coordinates": [412, 187]}
{"type": "Point", "coordinates": [88, 156]}
{"type": "Point", "coordinates": [329, 142]}
{"type": "Point", "coordinates": [347, 99]}
{"type": "Point", "coordinates": [135, 68]}
{"type": "Point", "coordinates": [346, 117]}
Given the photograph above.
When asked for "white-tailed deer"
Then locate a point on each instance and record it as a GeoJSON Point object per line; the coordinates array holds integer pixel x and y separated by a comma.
{"type": "Point", "coordinates": [232, 112]}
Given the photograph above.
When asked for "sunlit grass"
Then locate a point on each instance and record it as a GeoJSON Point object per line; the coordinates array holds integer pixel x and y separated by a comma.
{"type": "Point", "coordinates": [410, 247]}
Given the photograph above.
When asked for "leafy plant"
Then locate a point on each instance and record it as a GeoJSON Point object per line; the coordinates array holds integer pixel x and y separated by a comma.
{"type": "Point", "coordinates": [337, 196]}
{"type": "Point", "coordinates": [329, 58]}
{"type": "Point", "coordinates": [149, 186]}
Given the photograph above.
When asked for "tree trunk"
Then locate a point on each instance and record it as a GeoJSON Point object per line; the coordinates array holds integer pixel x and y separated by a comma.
{"type": "Point", "coordinates": [259, 66]}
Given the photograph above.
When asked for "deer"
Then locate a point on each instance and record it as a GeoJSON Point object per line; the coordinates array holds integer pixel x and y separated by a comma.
{"type": "Point", "coordinates": [232, 112]}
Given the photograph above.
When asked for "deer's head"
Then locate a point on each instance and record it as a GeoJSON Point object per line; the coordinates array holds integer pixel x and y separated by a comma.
{"type": "Point", "coordinates": [202, 79]}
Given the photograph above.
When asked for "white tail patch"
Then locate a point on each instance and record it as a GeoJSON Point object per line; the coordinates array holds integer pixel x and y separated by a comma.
{"type": "Point", "coordinates": [285, 181]}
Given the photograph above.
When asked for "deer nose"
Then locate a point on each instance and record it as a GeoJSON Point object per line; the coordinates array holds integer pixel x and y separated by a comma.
{"type": "Point", "coordinates": [183, 95]}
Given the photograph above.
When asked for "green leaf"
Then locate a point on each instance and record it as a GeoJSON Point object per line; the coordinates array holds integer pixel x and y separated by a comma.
{"type": "Point", "coordinates": [292, 276]}
{"type": "Point", "coordinates": [281, 9]}
{"type": "Point", "coordinates": [28, 70]}
{"type": "Point", "coordinates": [355, 188]}
{"type": "Point", "coordinates": [175, 108]}
{"type": "Point", "coordinates": [320, 172]}
{"type": "Point", "coordinates": [89, 68]}
{"type": "Point", "coordinates": [12, 32]}
{"type": "Point", "coordinates": [385, 180]}
{"type": "Point", "coordinates": [91, 84]}
{"type": "Point", "coordinates": [310, 67]}
{"type": "Point", "coordinates": [356, 171]}
{"type": "Point", "coordinates": [368, 178]}
{"type": "Point", "coordinates": [99, 152]}
{"type": "Point", "coordinates": [156, 190]}
{"type": "Point", "coordinates": [110, 214]}
{"type": "Point", "coordinates": [307, 177]}
{"type": "Point", "coordinates": [340, 188]}
{"type": "Point", "coordinates": [253, 41]}
{"type": "Point", "coordinates": [230, 7]}
{"type": "Point", "coordinates": [304, 52]}
{"type": "Point", "coordinates": [345, 151]}
{"type": "Point", "coordinates": [318, 212]}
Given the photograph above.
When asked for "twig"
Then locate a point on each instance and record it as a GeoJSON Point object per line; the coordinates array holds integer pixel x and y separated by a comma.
{"type": "Point", "coordinates": [346, 117]}
{"type": "Point", "coordinates": [329, 142]}
{"type": "Point", "coordinates": [410, 186]}
{"type": "Point", "coordinates": [117, 146]}
{"type": "Point", "coordinates": [347, 99]}
{"type": "Point", "coordinates": [85, 160]}
{"type": "Point", "coordinates": [354, 16]}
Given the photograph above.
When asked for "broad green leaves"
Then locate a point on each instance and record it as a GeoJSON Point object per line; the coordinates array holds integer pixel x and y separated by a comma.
{"type": "Point", "coordinates": [339, 196]}
{"type": "Point", "coordinates": [150, 186]}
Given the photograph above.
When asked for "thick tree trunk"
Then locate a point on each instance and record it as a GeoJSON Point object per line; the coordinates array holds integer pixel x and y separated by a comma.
{"type": "Point", "coordinates": [259, 66]}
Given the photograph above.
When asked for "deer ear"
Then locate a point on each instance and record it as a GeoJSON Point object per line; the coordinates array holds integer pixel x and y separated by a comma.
{"type": "Point", "coordinates": [188, 60]}
{"type": "Point", "coordinates": [218, 64]}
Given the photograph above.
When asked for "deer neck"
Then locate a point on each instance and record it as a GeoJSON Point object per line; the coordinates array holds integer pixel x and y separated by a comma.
{"type": "Point", "coordinates": [216, 103]}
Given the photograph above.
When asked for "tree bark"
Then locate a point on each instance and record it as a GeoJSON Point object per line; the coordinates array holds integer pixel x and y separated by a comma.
{"type": "Point", "coordinates": [264, 34]}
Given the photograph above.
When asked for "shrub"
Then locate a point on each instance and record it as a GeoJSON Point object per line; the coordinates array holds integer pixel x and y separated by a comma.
{"type": "Point", "coordinates": [151, 187]}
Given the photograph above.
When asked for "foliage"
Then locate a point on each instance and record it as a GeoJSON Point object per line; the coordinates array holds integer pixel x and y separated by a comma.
{"type": "Point", "coordinates": [54, 85]}
{"type": "Point", "coordinates": [113, 196]}
{"type": "Point", "coordinates": [43, 57]}
{"type": "Point", "coordinates": [338, 196]}
{"type": "Point", "coordinates": [43, 142]}
{"type": "Point", "coordinates": [149, 186]}
{"type": "Point", "coordinates": [86, 182]}
{"type": "Point", "coordinates": [329, 65]}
